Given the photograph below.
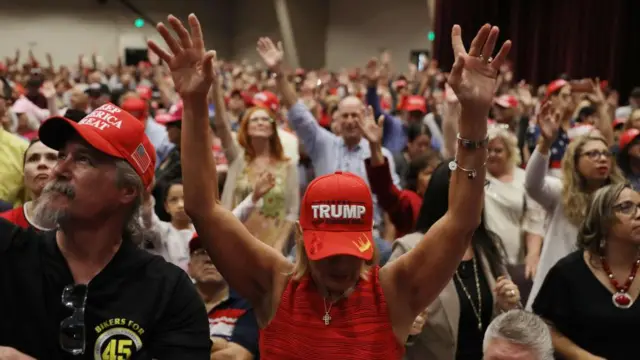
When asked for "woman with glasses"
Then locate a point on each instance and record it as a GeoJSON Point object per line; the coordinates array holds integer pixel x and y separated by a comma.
{"type": "Point", "coordinates": [588, 297]}
{"type": "Point", "coordinates": [258, 149]}
{"type": "Point", "coordinates": [587, 165]}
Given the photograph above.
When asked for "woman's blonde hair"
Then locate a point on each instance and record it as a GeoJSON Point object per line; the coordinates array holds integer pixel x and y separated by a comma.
{"type": "Point", "coordinates": [301, 265]}
{"type": "Point", "coordinates": [600, 218]}
{"type": "Point", "coordinates": [575, 198]}
{"type": "Point", "coordinates": [277, 151]}
{"type": "Point", "coordinates": [510, 141]}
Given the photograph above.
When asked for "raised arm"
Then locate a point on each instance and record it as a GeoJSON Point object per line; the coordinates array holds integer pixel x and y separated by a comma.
{"type": "Point", "coordinates": [541, 188]}
{"type": "Point", "coordinates": [414, 280]}
{"type": "Point", "coordinates": [223, 128]}
{"type": "Point", "coordinates": [315, 138]}
{"type": "Point", "coordinates": [247, 264]}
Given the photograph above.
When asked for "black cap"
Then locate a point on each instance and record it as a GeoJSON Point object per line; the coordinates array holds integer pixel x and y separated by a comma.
{"type": "Point", "coordinates": [96, 90]}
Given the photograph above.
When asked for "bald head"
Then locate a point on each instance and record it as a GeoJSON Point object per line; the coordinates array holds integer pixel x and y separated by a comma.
{"type": "Point", "coordinates": [350, 110]}
{"type": "Point", "coordinates": [350, 101]}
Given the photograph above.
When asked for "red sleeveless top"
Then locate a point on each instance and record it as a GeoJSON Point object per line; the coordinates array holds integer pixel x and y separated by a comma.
{"type": "Point", "coordinates": [360, 327]}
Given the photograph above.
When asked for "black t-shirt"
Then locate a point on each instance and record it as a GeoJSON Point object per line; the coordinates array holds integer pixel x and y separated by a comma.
{"type": "Point", "coordinates": [138, 305]}
{"type": "Point", "coordinates": [581, 308]}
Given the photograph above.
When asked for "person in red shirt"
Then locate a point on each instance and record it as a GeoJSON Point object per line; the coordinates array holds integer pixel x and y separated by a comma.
{"type": "Point", "coordinates": [334, 302]}
{"type": "Point", "coordinates": [38, 162]}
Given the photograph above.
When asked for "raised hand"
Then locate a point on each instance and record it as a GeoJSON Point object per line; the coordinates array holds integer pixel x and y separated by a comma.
{"type": "Point", "coordinates": [192, 68]}
{"type": "Point", "coordinates": [271, 54]}
{"type": "Point", "coordinates": [264, 183]}
{"type": "Point", "coordinates": [549, 119]}
{"type": "Point", "coordinates": [48, 89]}
{"type": "Point", "coordinates": [474, 73]}
{"type": "Point", "coordinates": [372, 71]}
{"type": "Point", "coordinates": [370, 130]}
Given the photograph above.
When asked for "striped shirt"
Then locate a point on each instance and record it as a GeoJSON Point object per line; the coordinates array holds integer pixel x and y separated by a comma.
{"type": "Point", "coordinates": [360, 327]}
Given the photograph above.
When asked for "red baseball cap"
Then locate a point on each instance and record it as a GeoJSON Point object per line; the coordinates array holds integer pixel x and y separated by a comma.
{"type": "Point", "coordinates": [194, 243]}
{"type": "Point", "coordinates": [110, 130]}
{"type": "Point", "coordinates": [618, 123]}
{"type": "Point", "coordinates": [136, 107]}
{"type": "Point", "coordinates": [336, 217]}
{"type": "Point", "coordinates": [267, 99]}
{"type": "Point", "coordinates": [174, 114]}
{"type": "Point", "coordinates": [554, 86]}
{"type": "Point", "coordinates": [506, 101]}
{"type": "Point", "coordinates": [145, 92]}
{"type": "Point", "coordinates": [626, 138]}
{"type": "Point", "coordinates": [415, 103]}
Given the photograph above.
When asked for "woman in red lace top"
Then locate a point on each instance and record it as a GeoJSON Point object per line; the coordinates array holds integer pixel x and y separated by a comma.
{"type": "Point", "coordinates": [334, 303]}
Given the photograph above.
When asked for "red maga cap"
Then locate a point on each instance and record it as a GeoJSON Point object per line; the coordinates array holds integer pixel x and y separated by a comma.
{"type": "Point", "coordinates": [110, 130]}
{"type": "Point", "coordinates": [336, 217]}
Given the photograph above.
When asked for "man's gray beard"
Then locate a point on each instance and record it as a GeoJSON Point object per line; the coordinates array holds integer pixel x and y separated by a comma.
{"type": "Point", "coordinates": [43, 215]}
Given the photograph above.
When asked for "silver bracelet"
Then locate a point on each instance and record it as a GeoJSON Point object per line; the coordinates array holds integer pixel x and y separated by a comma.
{"type": "Point", "coordinates": [471, 173]}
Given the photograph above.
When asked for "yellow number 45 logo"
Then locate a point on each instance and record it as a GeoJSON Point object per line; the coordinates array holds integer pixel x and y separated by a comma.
{"type": "Point", "coordinates": [118, 349]}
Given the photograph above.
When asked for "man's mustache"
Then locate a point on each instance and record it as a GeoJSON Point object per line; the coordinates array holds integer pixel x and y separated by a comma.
{"type": "Point", "coordinates": [61, 187]}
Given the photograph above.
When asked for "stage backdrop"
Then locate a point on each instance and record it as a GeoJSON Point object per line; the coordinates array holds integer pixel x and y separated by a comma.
{"type": "Point", "coordinates": [586, 38]}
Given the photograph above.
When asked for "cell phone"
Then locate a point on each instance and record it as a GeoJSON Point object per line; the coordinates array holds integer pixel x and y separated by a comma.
{"type": "Point", "coordinates": [580, 86]}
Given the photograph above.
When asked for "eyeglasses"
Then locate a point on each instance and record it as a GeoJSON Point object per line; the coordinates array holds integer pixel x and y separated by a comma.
{"type": "Point", "coordinates": [596, 154]}
{"type": "Point", "coordinates": [72, 329]}
{"type": "Point", "coordinates": [626, 208]}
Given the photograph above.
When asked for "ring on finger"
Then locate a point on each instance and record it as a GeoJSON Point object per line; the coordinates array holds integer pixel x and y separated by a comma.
{"type": "Point", "coordinates": [490, 59]}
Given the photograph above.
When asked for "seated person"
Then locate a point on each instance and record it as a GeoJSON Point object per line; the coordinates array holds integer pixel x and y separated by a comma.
{"type": "Point", "coordinates": [232, 323]}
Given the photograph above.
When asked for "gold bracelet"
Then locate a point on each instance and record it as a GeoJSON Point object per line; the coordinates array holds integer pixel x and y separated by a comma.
{"type": "Point", "coordinates": [471, 173]}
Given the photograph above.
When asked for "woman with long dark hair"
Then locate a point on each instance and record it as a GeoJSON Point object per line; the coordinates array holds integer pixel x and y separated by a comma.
{"type": "Point", "coordinates": [478, 291]}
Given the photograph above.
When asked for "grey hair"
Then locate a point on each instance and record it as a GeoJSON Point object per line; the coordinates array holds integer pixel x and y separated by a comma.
{"type": "Point", "coordinates": [126, 176]}
{"type": "Point", "coordinates": [523, 328]}
{"type": "Point", "coordinates": [599, 219]}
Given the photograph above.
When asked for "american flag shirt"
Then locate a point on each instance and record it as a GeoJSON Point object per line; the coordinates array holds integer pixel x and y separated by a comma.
{"type": "Point", "coordinates": [559, 146]}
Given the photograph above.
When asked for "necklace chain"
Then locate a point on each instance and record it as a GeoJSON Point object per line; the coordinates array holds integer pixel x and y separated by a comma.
{"type": "Point", "coordinates": [476, 311]}
{"type": "Point", "coordinates": [327, 311]}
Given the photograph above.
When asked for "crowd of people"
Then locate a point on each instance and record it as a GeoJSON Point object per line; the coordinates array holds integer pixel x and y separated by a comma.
{"type": "Point", "coordinates": [189, 207]}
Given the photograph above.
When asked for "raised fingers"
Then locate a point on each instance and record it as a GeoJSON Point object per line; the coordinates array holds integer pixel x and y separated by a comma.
{"type": "Point", "coordinates": [182, 32]}
{"type": "Point", "coordinates": [489, 46]}
{"type": "Point", "coordinates": [162, 53]}
{"type": "Point", "coordinates": [499, 59]}
{"type": "Point", "coordinates": [196, 32]}
{"type": "Point", "coordinates": [456, 41]}
{"type": "Point", "coordinates": [171, 42]}
{"type": "Point", "coordinates": [477, 44]}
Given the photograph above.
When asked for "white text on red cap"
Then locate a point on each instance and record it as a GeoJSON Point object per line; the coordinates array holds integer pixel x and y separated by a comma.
{"type": "Point", "coordinates": [103, 117]}
{"type": "Point", "coordinates": [339, 211]}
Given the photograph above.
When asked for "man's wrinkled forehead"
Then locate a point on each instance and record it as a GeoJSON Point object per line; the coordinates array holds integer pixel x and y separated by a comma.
{"type": "Point", "coordinates": [77, 144]}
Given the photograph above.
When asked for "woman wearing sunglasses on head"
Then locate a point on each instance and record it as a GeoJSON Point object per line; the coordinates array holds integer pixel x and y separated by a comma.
{"type": "Point", "coordinates": [336, 304]}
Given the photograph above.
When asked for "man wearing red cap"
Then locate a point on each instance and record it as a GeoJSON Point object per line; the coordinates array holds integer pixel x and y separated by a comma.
{"type": "Point", "coordinates": [87, 287]}
{"type": "Point", "coordinates": [334, 302]}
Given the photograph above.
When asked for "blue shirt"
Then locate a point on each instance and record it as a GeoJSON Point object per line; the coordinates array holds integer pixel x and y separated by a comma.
{"type": "Point", "coordinates": [329, 153]}
{"type": "Point", "coordinates": [393, 135]}
{"type": "Point", "coordinates": [159, 138]}
{"type": "Point", "coordinates": [234, 320]}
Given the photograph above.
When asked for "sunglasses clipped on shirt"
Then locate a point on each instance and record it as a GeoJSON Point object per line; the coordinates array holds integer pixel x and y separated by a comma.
{"type": "Point", "coordinates": [72, 329]}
